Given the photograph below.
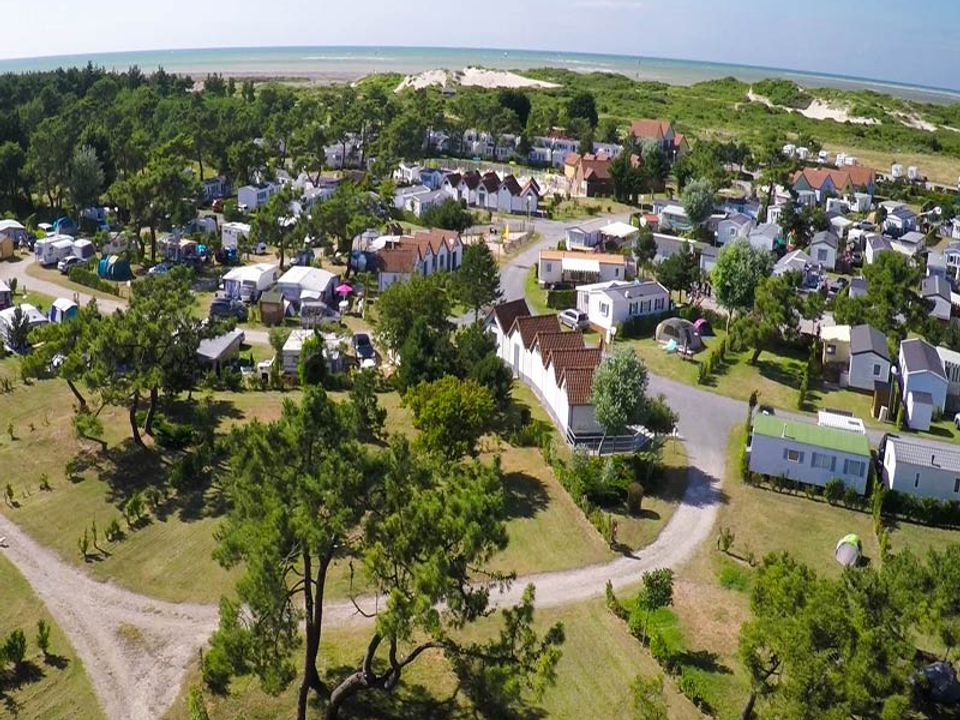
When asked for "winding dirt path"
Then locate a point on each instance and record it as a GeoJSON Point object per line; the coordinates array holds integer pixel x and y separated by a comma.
{"type": "Point", "coordinates": [136, 650]}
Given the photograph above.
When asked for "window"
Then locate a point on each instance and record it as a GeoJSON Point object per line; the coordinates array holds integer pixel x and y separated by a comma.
{"type": "Point", "coordinates": [855, 468]}
{"type": "Point", "coordinates": [616, 272]}
{"type": "Point", "coordinates": [825, 462]}
{"type": "Point", "coordinates": [549, 267]}
{"type": "Point", "coordinates": [831, 349]}
{"type": "Point", "coordinates": [634, 308]}
{"type": "Point", "coordinates": [916, 481]}
{"type": "Point", "coordinates": [822, 255]}
{"type": "Point", "coordinates": [604, 309]}
{"type": "Point", "coordinates": [876, 369]}
{"type": "Point", "coordinates": [658, 304]}
{"type": "Point", "coordinates": [794, 456]}
{"type": "Point", "coordinates": [956, 485]}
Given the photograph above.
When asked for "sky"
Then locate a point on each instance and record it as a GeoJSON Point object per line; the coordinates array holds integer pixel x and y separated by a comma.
{"type": "Point", "coordinates": [911, 42]}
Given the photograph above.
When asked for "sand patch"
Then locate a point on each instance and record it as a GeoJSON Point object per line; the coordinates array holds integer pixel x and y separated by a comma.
{"type": "Point", "coordinates": [472, 77]}
{"type": "Point", "coordinates": [817, 110]}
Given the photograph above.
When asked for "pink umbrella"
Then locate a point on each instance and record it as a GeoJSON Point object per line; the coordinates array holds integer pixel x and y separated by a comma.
{"type": "Point", "coordinates": [344, 289]}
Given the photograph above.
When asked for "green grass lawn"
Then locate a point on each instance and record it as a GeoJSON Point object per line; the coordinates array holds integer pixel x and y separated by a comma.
{"type": "Point", "coordinates": [600, 660]}
{"type": "Point", "coordinates": [170, 557]}
{"type": "Point", "coordinates": [54, 276]}
{"type": "Point", "coordinates": [53, 688]}
{"type": "Point", "coordinates": [536, 295]}
{"type": "Point", "coordinates": [585, 208]}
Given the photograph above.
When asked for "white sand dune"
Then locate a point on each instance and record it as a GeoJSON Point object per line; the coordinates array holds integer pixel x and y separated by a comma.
{"type": "Point", "coordinates": [471, 77]}
{"type": "Point", "coordinates": [817, 110]}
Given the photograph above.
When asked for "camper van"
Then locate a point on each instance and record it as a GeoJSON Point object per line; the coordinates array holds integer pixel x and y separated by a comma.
{"type": "Point", "coordinates": [53, 249]}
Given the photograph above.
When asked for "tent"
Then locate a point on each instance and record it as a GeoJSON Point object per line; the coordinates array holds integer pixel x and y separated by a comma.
{"type": "Point", "coordinates": [6, 247]}
{"type": "Point", "coordinates": [681, 331]}
{"type": "Point", "coordinates": [114, 267]}
{"type": "Point", "coordinates": [940, 681]}
{"type": "Point", "coordinates": [703, 328]}
{"type": "Point", "coordinates": [848, 550]}
{"type": "Point", "coordinates": [62, 310]}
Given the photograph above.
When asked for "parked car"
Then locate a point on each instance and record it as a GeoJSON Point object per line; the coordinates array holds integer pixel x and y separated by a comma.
{"type": "Point", "coordinates": [68, 262]}
{"type": "Point", "coordinates": [363, 348]}
{"type": "Point", "coordinates": [228, 307]}
{"type": "Point", "coordinates": [260, 249]}
{"type": "Point", "coordinates": [574, 319]}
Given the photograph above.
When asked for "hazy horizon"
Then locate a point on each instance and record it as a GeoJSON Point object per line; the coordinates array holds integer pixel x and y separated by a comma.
{"type": "Point", "coordinates": [884, 40]}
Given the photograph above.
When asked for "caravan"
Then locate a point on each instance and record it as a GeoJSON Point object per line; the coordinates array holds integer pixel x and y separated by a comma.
{"type": "Point", "coordinates": [53, 249]}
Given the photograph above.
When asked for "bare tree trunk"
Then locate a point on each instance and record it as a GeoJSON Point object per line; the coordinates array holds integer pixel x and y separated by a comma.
{"type": "Point", "coordinates": [153, 242]}
{"type": "Point", "coordinates": [353, 683]}
{"type": "Point", "coordinates": [76, 393]}
{"type": "Point", "coordinates": [151, 411]}
{"type": "Point", "coordinates": [134, 430]}
{"type": "Point", "coordinates": [313, 606]}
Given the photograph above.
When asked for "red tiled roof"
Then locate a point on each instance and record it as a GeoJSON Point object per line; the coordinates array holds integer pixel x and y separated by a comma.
{"type": "Point", "coordinates": [472, 179]}
{"type": "Point", "coordinates": [578, 382]}
{"type": "Point", "coordinates": [531, 325]}
{"type": "Point", "coordinates": [398, 259]}
{"type": "Point", "coordinates": [582, 357]}
{"type": "Point", "coordinates": [571, 158]}
{"type": "Point", "coordinates": [431, 240]}
{"type": "Point", "coordinates": [644, 129]}
{"type": "Point", "coordinates": [491, 182]}
{"type": "Point", "coordinates": [550, 341]}
{"type": "Point", "coordinates": [511, 184]}
{"type": "Point", "coordinates": [841, 177]}
{"type": "Point", "coordinates": [506, 313]}
{"type": "Point", "coordinates": [453, 178]}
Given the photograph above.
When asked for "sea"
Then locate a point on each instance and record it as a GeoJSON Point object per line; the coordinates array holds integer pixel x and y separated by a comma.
{"type": "Point", "coordinates": [347, 64]}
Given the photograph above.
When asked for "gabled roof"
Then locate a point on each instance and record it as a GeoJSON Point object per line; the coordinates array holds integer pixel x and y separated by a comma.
{"type": "Point", "coordinates": [472, 179]}
{"type": "Point", "coordinates": [867, 339]}
{"type": "Point", "coordinates": [398, 259]}
{"type": "Point", "coordinates": [738, 219]}
{"type": "Point", "coordinates": [578, 383]}
{"type": "Point", "coordinates": [511, 185]}
{"type": "Point", "coordinates": [571, 158]}
{"type": "Point", "coordinates": [490, 182]}
{"type": "Point", "coordinates": [453, 178]}
{"type": "Point", "coordinates": [768, 230]}
{"type": "Point", "coordinates": [903, 213]}
{"type": "Point", "coordinates": [840, 177]}
{"type": "Point", "coordinates": [533, 186]}
{"type": "Point", "coordinates": [548, 342]}
{"type": "Point", "coordinates": [920, 356]}
{"type": "Point", "coordinates": [530, 325]}
{"type": "Point", "coordinates": [506, 313]}
{"type": "Point", "coordinates": [826, 237]}
{"type": "Point", "coordinates": [926, 453]}
{"type": "Point", "coordinates": [935, 286]}
{"type": "Point", "coordinates": [559, 360]}
{"type": "Point", "coordinates": [646, 129]}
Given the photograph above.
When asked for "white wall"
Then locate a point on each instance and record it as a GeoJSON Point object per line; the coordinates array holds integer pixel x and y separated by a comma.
{"type": "Point", "coordinates": [767, 458]}
{"type": "Point", "coordinates": [923, 481]}
{"type": "Point", "coordinates": [861, 370]}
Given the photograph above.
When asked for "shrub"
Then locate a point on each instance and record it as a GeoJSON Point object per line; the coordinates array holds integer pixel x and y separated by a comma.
{"type": "Point", "coordinates": [172, 435]}
{"type": "Point", "coordinates": [702, 374]}
{"type": "Point", "coordinates": [642, 326]}
{"type": "Point", "coordinates": [43, 636]}
{"type": "Point", "coordinates": [834, 490]}
{"type": "Point", "coordinates": [691, 685]}
{"type": "Point", "coordinates": [89, 278]}
{"type": "Point", "coordinates": [613, 603]}
{"type": "Point", "coordinates": [561, 299]}
{"type": "Point", "coordinates": [15, 647]}
{"type": "Point", "coordinates": [851, 498]}
{"type": "Point", "coordinates": [634, 498]}
{"type": "Point", "coordinates": [725, 540]}
{"type": "Point", "coordinates": [733, 578]}
{"type": "Point", "coordinates": [660, 650]}
{"type": "Point", "coordinates": [532, 434]}
{"type": "Point", "coordinates": [114, 533]}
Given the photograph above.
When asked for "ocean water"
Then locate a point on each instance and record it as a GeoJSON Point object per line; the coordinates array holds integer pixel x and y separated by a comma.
{"type": "Point", "coordinates": [341, 64]}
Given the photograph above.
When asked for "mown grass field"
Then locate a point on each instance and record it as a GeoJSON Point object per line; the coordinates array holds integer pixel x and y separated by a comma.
{"type": "Point", "coordinates": [600, 660]}
{"type": "Point", "coordinates": [52, 688]}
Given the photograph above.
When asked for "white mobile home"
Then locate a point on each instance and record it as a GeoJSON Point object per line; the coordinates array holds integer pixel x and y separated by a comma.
{"type": "Point", "coordinates": [611, 303]}
{"type": "Point", "coordinates": [34, 317]}
{"type": "Point", "coordinates": [251, 197]}
{"type": "Point", "coordinates": [922, 468]}
{"type": "Point", "coordinates": [807, 453]}
{"type": "Point", "coordinates": [556, 266]}
{"type": "Point", "coordinates": [923, 382]}
{"type": "Point", "coordinates": [302, 283]}
{"type": "Point", "coordinates": [249, 281]}
{"type": "Point", "coordinates": [232, 232]}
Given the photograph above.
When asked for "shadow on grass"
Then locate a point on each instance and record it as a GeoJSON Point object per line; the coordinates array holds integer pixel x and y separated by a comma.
{"type": "Point", "coordinates": [407, 702]}
{"type": "Point", "coordinates": [525, 495]}
{"type": "Point", "coordinates": [26, 673]}
{"type": "Point", "coordinates": [56, 661]}
{"type": "Point", "coordinates": [703, 660]}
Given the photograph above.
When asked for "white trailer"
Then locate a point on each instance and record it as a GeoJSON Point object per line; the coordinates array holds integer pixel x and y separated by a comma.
{"type": "Point", "coordinates": [51, 250]}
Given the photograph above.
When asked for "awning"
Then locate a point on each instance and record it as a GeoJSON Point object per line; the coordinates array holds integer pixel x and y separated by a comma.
{"type": "Point", "coordinates": [581, 265]}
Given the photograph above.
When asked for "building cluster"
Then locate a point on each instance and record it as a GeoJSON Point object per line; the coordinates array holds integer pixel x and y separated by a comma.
{"type": "Point", "coordinates": [496, 192]}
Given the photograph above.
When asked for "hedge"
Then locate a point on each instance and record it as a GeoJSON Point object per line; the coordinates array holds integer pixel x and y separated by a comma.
{"type": "Point", "coordinates": [561, 299]}
{"type": "Point", "coordinates": [90, 279]}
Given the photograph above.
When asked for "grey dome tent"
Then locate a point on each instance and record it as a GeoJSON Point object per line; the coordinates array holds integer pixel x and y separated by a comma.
{"type": "Point", "coordinates": [849, 549]}
{"type": "Point", "coordinates": [680, 331]}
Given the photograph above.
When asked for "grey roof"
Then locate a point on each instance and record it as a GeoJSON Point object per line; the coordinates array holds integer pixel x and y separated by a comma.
{"type": "Point", "coordinates": [920, 356]}
{"type": "Point", "coordinates": [903, 212]}
{"type": "Point", "coordinates": [936, 260]}
{"type": "Point", "coordinates": [935, 286]}
{"type": "Point", "coordinates": [913, 237]}
{"type": "Point", "coordinates": [215, 348]}
{"type": "Point", "coordinates": [926, 454]}
{"type": "Point", "coordinates": [825, 236]}
{"type": "Point", "coordinates": [739, 219]}
{"type": "Point", "coordinates": [796, 261]}
{"type": "Point", "coordinates": [865, 339]}
{"type": "Point", "coordinates": [858, 287]}
{"type": "Point", "coordinates": [770, 230]}
{"type": "Point", "coordinates": [878, 243]}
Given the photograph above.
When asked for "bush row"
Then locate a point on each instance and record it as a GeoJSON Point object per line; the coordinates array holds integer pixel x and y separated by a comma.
{"type": "Point", "coordinates": [89, 278]}
{"type": "Point", "coordinates": [561, 299]}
